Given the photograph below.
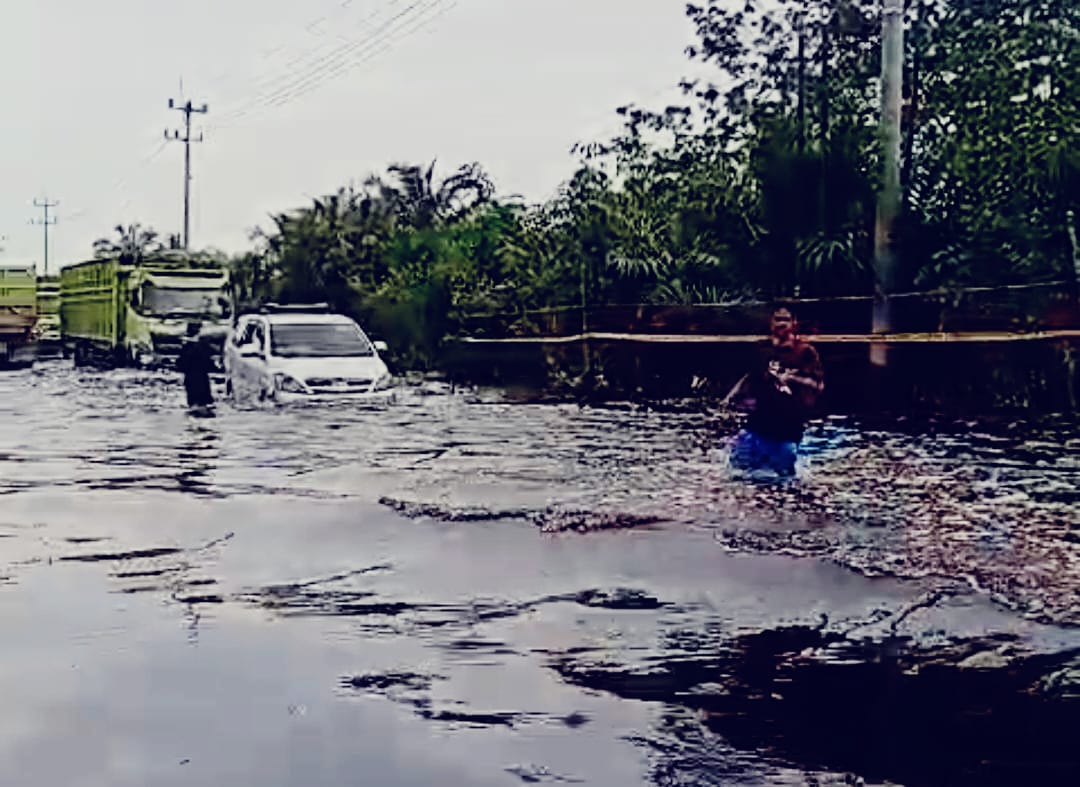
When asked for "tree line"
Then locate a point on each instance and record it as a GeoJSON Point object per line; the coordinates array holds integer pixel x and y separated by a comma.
{"type": "Point", "coordinates": [761, 182]}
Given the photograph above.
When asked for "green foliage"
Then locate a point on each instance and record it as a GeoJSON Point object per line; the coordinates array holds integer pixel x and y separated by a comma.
{"type": "Point", "coordinates": [131, 244]}
{"type": "Point", "coordinates": [763, 181]}
{"type": "Point", "coordinates": [998, 140]}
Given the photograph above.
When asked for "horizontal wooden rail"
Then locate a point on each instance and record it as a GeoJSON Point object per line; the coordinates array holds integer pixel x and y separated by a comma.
{"type": "Point", "coordinates": [930, 296]}
{"type": "Point", "coordinates": [836, 338]}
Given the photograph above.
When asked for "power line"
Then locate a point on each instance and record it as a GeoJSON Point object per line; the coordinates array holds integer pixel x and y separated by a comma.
{"type": "Point", "coordinates": [45, 222]}
{"type": "Point", "coordinates": [223, 77]}
{"type": "Point", "coordinates": [333, 63]}
{"type": "Point", "coordinates": [377, 41]}
{"type": "Point", "coordinates": [359, 55]}
{"type": "Point", "coordinates": [119, 183]}
{"type": "Point", "coordinates": [188, 110]}
{"type": "Point", "coordinates": [319, 64]}
{"type": "Point", "coordinates": [367, 53]}
{"type": "Point", "coordinates": [310, 56]}
{"type": "Point", "coordinates": [125, 177]}
{"type": "Point", "coordinates": [324, 66]}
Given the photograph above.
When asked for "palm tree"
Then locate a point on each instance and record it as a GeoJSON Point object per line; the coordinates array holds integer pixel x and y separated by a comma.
{"type": "Point", "coordinates": [132, 245]}
{"type": "Point", "coordinates": [420, 204]}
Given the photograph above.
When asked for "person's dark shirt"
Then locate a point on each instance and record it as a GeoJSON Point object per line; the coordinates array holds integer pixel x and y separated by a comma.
{"type": "Point", "coordinates": [196, 363]}
{"type": "Point", "coordinates": [194, 358]}
{"type": "Point", "coordinates": [779, 415]}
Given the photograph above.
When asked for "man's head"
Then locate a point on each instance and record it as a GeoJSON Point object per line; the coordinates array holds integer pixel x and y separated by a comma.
{"type": "Point", "coordinates": [193, 329]}
{"type": "Point", "coordinates": [782, 325]}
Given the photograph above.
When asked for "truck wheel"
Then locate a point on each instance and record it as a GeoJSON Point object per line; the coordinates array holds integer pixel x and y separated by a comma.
{"type": "Point", "coordinates": [79, 355]}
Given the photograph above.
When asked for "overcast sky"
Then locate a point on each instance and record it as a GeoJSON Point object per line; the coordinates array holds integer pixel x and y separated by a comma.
{"type": "Point", "coordinates": [304, 96]}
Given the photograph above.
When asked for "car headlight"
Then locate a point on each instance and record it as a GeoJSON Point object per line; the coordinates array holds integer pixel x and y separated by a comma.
{"type": "Point", "coordinates": [384, 382]}
{"type": "Point", "coordinates": [287, 384]}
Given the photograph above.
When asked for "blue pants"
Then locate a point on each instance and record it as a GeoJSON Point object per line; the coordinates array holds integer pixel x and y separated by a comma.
{"type": "Point", "coordinates": [754, 452]}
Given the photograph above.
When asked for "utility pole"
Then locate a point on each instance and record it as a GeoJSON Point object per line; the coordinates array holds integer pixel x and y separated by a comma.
{"type": "Point", "coordinates": [187, 109]}
{"type": "Point", "coordinates": [1070, 228]}
{"type": "Point", "coordinates": [45, 204]}
{"type": "Point", "coordinates": [800, 21]}
{"type": "Point", "coordinates": [888, 207]}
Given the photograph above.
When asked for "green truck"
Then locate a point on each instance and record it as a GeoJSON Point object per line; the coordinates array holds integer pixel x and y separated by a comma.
{"type": "Point", "coordinates": [124, 313]}
{"type": "Point", "coordinates": [18, 315]}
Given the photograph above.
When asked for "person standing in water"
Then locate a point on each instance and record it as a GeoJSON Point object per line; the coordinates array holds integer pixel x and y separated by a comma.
{"type": "Point", "coordinates": [783, 388]}
{"type": "Point", "coordinates": [195, 363]}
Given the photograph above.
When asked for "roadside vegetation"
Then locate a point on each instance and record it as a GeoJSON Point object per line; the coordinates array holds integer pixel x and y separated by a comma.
{"type": "Point", "coordinates": [760, 183]}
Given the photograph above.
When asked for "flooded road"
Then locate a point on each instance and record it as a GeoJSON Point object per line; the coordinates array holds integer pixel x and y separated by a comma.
{"type": "Point", "coordinates": [464, 589]}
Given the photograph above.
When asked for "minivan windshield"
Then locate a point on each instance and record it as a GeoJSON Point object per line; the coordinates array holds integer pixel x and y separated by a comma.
{"type": "Point", "coordinates": [318, 340]}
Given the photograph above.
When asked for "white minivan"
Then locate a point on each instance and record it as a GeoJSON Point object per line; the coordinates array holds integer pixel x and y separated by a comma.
{"type": "Point", "coordinates": [289, 354]}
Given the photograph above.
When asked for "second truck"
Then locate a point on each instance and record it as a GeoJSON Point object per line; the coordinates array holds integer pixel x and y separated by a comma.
{"type": "Point", "coordinates": [18, 315]}
{"type": "Point", "coordinates": [136, 313]}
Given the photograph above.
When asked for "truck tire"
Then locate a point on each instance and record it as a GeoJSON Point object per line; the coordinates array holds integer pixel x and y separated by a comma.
{"type": "Point", "coordinates": [79, 354]}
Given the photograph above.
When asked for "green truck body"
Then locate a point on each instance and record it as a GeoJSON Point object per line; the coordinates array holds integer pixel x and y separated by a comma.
{"type": "Point", "coordinates": [18, 315]}
{"type": "Point", "coordinates": [137, 314]}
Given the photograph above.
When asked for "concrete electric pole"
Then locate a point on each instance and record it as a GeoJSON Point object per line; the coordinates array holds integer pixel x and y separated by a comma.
{"type": "Point", "coordinates": [892, 75]}
{"type": "Point", "coordinates": [45, 204]}
{"type": "Point", "coordinates": [187, 139]}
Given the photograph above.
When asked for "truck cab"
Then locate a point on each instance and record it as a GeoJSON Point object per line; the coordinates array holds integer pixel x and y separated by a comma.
{"type": "Point", "coordinates": [161, 303]}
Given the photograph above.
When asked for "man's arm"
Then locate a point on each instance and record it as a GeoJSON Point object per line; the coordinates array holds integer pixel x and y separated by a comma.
{"type": "Point", "coordinates": [810, 374]}
{"type": "Point", "coordinates": [735, 390]}
{"type": "Point", "coordinates": [807, 382]}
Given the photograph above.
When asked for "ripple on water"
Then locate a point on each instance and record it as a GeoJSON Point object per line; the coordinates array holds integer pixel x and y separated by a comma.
{"type": "Point", "coordinates": [993, 500]}
{"type": "Point", "coordinates": [989, 505]}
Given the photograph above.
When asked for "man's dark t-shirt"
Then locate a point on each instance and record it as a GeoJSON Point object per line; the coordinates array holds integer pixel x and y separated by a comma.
{"type": "Point", "coordinates": [780, 415]}
{"type": "Point", "coordinates": [196, 364]}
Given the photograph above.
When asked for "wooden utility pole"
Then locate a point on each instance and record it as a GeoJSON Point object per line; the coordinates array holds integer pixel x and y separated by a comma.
{"type": "Point", "coordinates": [892, 75]}
{"type": "Point", "coordinates": [187, 139]}
{"type": "Point", "coordinates": [45, 204]}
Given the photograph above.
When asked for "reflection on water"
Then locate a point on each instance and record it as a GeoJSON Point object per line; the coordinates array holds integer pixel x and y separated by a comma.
{"type": "Point", "coordinates": [197, 456]}
{"type": "Point", "coordinates": [478, 562]}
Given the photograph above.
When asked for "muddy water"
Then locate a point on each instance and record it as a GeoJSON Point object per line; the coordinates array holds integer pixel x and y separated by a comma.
{"type": "Point", "coordinates": [461, 588]}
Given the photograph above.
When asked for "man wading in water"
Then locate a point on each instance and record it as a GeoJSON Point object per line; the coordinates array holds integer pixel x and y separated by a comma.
{"type": "Point", "coordinates": [783, 385]}
{"type": "Point", "coordinates": [196, 364]}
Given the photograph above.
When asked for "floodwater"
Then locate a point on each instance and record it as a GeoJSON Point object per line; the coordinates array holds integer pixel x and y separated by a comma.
{"type": "Point", "coordinates": [467, 588]}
